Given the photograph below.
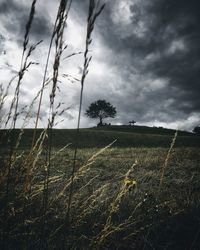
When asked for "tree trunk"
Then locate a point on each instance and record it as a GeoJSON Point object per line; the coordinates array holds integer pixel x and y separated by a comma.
{"type": "Point", "coordinates": [101, 121]}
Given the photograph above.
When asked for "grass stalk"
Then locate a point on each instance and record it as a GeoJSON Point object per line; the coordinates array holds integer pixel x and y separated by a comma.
{"type": "Point", "coordinates": [93, 12]}
{"type": "Point", "coordinates": [59, 31]}
{"type": "Point", "coordinates": [167, 160]}
{"type": "Point", "coordinates": [14, 105]}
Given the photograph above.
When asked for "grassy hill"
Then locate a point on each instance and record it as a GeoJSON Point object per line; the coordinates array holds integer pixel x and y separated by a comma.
{"type": "Point", "coordinates": [120, 196]}
{"type": "Point", "coordinates": [126, 136]}
{"type": "Point", "coordinates": [142, 130]}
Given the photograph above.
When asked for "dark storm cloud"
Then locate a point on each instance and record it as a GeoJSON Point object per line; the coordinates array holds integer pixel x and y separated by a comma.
{"type": "Point", "coordinates": [14, 16]}
{"type": "Point", "coordinates": [161, 41]}
{"type": "Point", "coordinates": [8, 6]}
{"type": "Point", "coordinates": [150, 50]}
{"type": "Point", "coordinates": [177, 21]}
{"type": "Point", "coordinates": [181, 67]}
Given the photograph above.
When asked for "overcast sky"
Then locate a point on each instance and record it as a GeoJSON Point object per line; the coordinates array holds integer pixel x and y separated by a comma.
{"type": "Point", "coordinates": [146, 60]}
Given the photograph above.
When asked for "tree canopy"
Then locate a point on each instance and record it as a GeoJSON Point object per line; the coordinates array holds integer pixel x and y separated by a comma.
{"type": "Point", "coordinates": [101, 110]}
{"type": "Point", "coordinates": [196, 130]}
{"type": "Point", "coordinates": [132, 122]}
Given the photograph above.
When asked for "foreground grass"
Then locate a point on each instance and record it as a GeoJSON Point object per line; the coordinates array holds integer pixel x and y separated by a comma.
{"type": "Point", "coordinates": [117, 201]}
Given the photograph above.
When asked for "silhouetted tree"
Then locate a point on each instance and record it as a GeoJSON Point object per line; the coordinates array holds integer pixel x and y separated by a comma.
{"type": "Point", "coordinates": [196, 130]}
{"type": "Point", "coordinates": [132, 122]}
{"type": "Point", "coordinates": [101, 109]}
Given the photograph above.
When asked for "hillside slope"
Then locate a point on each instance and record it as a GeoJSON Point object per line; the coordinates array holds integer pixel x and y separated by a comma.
{"type": "Point", "coordinates": [100, 137]}
{"type": "Point", "coordinates": [142, 130]}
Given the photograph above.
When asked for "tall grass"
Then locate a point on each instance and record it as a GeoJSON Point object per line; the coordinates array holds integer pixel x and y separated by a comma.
{"type": "Point", "coordinates": [93, 13]}
{"type": "Point", "coordinates": [58, 33]}
{"type": "Point", "coordinates": [25, 64]}
{"type": "Point", "coordinates": [29, 162]}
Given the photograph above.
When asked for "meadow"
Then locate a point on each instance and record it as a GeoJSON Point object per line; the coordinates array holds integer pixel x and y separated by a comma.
{"type": "Point", "coordinates": [110, 187]}
{"type": "Point", "coordinates": [125, 136]}
{"type": "Point", "coordinates": [123, 197]}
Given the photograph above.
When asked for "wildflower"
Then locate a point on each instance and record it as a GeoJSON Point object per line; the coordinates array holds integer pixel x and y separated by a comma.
{"type": "Point", "coordinates": [130, 183]}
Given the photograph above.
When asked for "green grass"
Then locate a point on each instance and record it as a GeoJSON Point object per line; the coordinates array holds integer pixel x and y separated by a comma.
{"type": "Point", "coordinates": [127, 136]}
{"type": "Point", "coordinates": [141, 130]}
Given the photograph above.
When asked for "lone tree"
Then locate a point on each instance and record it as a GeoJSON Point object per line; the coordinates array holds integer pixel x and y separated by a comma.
{"type": "Point", "coordinates": [101, 109]}
{"type": "Point", "coordinates": [132, 122]}
{"type": "Point", "coordinates": [196, 130]}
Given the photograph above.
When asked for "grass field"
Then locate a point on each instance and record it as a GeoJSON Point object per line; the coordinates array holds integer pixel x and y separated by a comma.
{"type": "Point", "coordinates": [124, 197]}
{"type": "Point", "coordinates": [126, 136]}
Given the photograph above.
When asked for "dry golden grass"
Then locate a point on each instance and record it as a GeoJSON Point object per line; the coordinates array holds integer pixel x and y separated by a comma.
{"type": "Point", "coordinates": [111, 199]}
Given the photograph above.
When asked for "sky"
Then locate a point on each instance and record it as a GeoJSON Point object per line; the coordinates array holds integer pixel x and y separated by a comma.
{"type": "Point", "coordinates": [145, 60]}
